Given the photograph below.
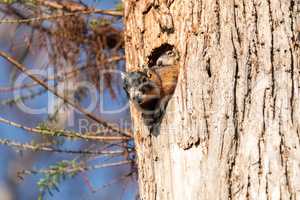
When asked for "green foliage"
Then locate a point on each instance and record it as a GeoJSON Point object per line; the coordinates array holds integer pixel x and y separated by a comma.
{"type": "Point", "coordinates": [44, 127]}
{"type": "Point", "coordinates": [55, 174]}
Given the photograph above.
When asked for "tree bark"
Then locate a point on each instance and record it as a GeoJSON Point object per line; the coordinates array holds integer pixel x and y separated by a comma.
{"type": "Point", "coordinates": [231, 129]}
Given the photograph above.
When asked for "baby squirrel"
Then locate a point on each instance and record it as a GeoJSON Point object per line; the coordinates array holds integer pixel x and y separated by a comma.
{"type": "Point", "coordinates": [151, 89]}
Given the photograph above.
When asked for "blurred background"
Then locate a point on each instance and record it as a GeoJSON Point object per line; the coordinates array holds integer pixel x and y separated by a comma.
{"type": "Point", "coordinates": [78, 50]}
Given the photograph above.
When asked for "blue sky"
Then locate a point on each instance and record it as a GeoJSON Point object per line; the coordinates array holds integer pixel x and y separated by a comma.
{"type": "Point", "coordinates": [78, 188]}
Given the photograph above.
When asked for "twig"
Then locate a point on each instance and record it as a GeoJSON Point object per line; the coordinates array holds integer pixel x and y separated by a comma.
{"type": "Point", "coordinates": [54, 17]}
{"type": "Point", "coordinates": [23, 98]}
{"type": "Point", "coordinates": [64, 76]}
{"type": "Point", "coordinates": [23, 69]}
{"type": "Point", "coordinates": [64, 133]}
{"type": "Point", "coordinates": [77, 168]}
{"type": "Point", "coordinates": [39, 147]}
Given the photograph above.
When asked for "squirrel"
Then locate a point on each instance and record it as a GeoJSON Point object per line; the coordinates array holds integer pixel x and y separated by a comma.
{"type": "Point", "coordinates": [151, 89]}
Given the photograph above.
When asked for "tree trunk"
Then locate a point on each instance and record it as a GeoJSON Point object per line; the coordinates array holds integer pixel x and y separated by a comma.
{"type": "Point", "coordinates": [231, 129]}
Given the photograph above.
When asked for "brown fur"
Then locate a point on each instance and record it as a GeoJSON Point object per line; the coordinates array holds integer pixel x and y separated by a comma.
{"type": "Point", "coordinates": [165, 78]}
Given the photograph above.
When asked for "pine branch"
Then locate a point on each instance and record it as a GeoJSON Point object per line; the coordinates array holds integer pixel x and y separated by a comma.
{"type": "Point", "coordinates": [53, 175]}
{"type": "Point", "coordinates": [41, 147]}
{"type": "Point", "coordinates": [75, 168]}
{"type": "Point", "coordinates": [63, 133]}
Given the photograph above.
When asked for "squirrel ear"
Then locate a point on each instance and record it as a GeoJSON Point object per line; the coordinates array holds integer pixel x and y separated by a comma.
{"type": "Point", "coordinates": [149, 74]}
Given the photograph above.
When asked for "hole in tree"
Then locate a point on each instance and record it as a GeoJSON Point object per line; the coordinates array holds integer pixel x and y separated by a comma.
{"type": "Point", "coordinates": [157, 52]}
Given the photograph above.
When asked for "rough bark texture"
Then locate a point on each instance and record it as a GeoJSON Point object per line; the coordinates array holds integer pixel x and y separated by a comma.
{"type": "Point", "coordinates": [231, 130]}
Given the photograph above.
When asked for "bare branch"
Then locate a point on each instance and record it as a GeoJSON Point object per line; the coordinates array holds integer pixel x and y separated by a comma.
{"type": "Point", "coordinates": [64, 133]}
{"type": "Point", "coordinates": [41, 147]}
{"type": "Point", "coordinates": [23, 69]}
{"type": "Point", "coordinates": [63, 76]}
{"type": "Point", "coordinates": [77, 168]}
{"type": "Point", "coordinates": [55, 17]}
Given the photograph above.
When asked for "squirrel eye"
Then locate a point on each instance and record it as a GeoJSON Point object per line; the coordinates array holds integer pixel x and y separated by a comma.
{"type": "Point", "coordinates": [170, 53]}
